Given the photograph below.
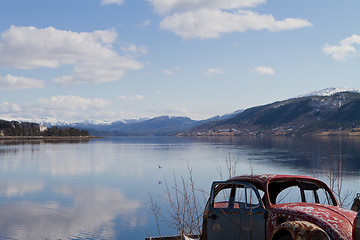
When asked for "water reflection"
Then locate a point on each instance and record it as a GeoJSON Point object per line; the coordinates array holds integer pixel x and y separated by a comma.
{"type": "Point", "coordinates": [90, 214]}
{"type": "Point", "coordinates": [296, 152]}
{"type": "Point", "coordinates": [16, 189]}
{"type": "Point", "coordinates": [100, 189]}
{"type": "Point", "coordinates": [62, 159]}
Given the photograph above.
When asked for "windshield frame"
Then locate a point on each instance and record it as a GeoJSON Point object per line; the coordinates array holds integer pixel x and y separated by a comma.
{"type": "Point", "coordinates": [276, 186]}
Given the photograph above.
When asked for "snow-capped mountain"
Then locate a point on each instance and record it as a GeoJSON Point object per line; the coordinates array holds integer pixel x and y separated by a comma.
{"type": "Point", "coordinates": [326, 111]}
{"type": "Point", "coordinates": [331, 91]}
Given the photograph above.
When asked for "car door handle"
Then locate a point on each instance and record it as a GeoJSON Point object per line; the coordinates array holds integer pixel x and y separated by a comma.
{"type": "Point", "coordinates": [213, 216]}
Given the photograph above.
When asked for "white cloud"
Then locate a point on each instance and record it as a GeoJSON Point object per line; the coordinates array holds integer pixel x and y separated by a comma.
{"type": "Point", "coordinates": [72, 103]}
{"type": "Point", "coordinates": [211, 23]}
{"type": "Point", "coordinates": [63, 108]}
{"type": "Point", "coordinates": [177, 111]}
{"type": "Point", "coordinates": [263, 70]}
{"type": "Point", "coordinates": [146, 23]}
{"type": "Point", "coordinates": [211, 18]}
{"type": "Point", "coordinates": [90, 53]}
{"type": "Point", "coordinates": [135, 49]}
{"type": "Point", "coordinates": [107, 2]}
{"type": "Point", "coordinates": [10, 82]}
{"type": "Point", "coordinates": [354, 39]}
{"type": "Point", "coordinates": [167, 111]}
{"type": "Point", "coordinates": [132, 98]}
{"type": "Point", "coordinates": [168, 72]}
{"type": "Point", "coordinates": [6, 107]}
{"type": "Point", "coordinates": [213, 71]}
{"type": "Point", "coordinates": [166, 6]}
{"type": "Point", "coordinates": [346, 49]}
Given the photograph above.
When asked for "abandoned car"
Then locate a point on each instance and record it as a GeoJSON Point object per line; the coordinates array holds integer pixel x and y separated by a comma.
{"type": "Point", "coordinates": [276, 207]}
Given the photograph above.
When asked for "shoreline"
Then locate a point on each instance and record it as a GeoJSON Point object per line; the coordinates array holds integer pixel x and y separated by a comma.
{"type": "Point", "coordinates": [46, 138]}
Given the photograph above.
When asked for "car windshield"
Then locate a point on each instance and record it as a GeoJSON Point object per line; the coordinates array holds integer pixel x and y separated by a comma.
{"type": "Point", "coordinates": [290, 191]}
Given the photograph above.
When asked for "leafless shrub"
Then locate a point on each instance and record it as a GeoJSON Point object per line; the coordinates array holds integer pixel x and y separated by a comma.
{"type": "Point", "coordinates": [185, 203]}
{"type": "Point", "coordinates": [334, 173]}
{"type": "Point", "coordinates": [231, 165]}
{"type": "Point", "coordinates": [155, 209]}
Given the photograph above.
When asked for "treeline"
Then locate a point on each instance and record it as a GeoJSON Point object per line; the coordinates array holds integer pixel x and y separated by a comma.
{"type": "Point", "coordinates": [14, 128]}
{"type": "Point", "coordinates": [64, 132]}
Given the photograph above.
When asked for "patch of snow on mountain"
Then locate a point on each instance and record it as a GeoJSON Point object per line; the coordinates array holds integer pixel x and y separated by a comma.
{"type": "Point", "coordinates": [330, 91]}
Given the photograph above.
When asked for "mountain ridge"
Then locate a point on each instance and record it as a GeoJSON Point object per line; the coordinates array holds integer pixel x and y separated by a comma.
{"type": "Point", "coordinates": [162, 125]}
{"type": "Point", "coordinates": [339, 112]}
{"type": "Point", "coordinates": [330, 91]}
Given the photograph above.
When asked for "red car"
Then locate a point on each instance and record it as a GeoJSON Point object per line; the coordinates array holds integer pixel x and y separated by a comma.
{"type": "Point", "coordinates": [276, 207]}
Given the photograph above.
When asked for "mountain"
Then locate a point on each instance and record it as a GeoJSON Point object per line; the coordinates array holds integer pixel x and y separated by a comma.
{"type": "Point", "coordinates": [331, 113]}
{"type": "Point", "coordinates": [331, 91]}
{"type": "Point", "coordinates": [163, 125]}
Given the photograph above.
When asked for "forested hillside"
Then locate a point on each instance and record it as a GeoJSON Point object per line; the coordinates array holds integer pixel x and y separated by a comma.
{"type": "Point", "coordinates": [14, 128]}
{"type": "Point", "coordinates": [335, 114]}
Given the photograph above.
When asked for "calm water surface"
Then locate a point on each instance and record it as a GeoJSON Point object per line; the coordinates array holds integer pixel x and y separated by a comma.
{"type": "Point", "coordinates": [101, 189]}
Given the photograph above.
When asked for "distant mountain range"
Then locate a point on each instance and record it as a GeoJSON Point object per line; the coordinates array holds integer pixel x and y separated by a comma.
{"type": "Point", "coordinates": [335, 113]}
{"type": "Point", "coordinates": [163, 125]}
{"type": "Point", "coordinates": [329, 111]}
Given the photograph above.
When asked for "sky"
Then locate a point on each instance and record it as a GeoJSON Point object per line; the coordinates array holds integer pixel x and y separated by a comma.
{"type": "Point", "coordinates": [108, 60]}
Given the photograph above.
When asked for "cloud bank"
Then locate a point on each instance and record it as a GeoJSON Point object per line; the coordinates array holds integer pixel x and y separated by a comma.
{"type": "Point", "coordinates": [63, 108]}
{"type": "Point", "coordinates": [90, 53]}
{"type": "Point", "coordinates": [206, 19]}
{"type": "Point", "coordinates": [10, 82]}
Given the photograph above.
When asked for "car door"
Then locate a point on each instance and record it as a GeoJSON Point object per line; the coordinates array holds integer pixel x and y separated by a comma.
{"type": "Point", "coordinates": [235, 212]}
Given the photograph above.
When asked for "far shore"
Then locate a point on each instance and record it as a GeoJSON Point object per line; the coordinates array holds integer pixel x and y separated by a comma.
{"type": "Point", "coordinates": [46, 138]}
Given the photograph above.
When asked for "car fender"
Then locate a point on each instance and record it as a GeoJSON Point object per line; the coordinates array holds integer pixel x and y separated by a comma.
{"type": "Point", "coordinates": [299, 230]}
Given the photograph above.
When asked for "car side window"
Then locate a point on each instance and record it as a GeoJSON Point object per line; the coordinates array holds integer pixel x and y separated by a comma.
{"type": "Point", "coordinates": [237, 196]}
{"type": "Point", "coordinates": [221, 200]}
{"type": "Point", "coordinates": [246, 198]}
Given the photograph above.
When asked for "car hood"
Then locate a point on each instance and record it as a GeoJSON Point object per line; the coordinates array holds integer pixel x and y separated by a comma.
{"type": "Point", "coordinates": [334, 220]}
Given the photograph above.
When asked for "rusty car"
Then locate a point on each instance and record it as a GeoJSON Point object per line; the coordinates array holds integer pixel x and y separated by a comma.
{"type": "Point", "coordinates": [276, 207]}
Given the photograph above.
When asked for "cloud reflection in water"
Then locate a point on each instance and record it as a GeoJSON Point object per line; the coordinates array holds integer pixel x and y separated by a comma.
{"type": "Point", "coordinates": [91, 214]}
{"type": "Point", "coordinates": [15, 189]}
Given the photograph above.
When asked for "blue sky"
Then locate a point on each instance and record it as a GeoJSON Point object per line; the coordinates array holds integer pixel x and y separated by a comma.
{"type": "Point", "coordinates": [76, 60]}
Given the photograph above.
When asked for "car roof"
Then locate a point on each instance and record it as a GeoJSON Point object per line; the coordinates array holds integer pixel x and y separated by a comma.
{"type": "Point", "coordinates": [265, 178]}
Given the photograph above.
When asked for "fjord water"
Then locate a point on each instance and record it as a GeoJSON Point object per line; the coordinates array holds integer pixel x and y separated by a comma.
{"type": "Point", "coordinates": [101, 189]}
